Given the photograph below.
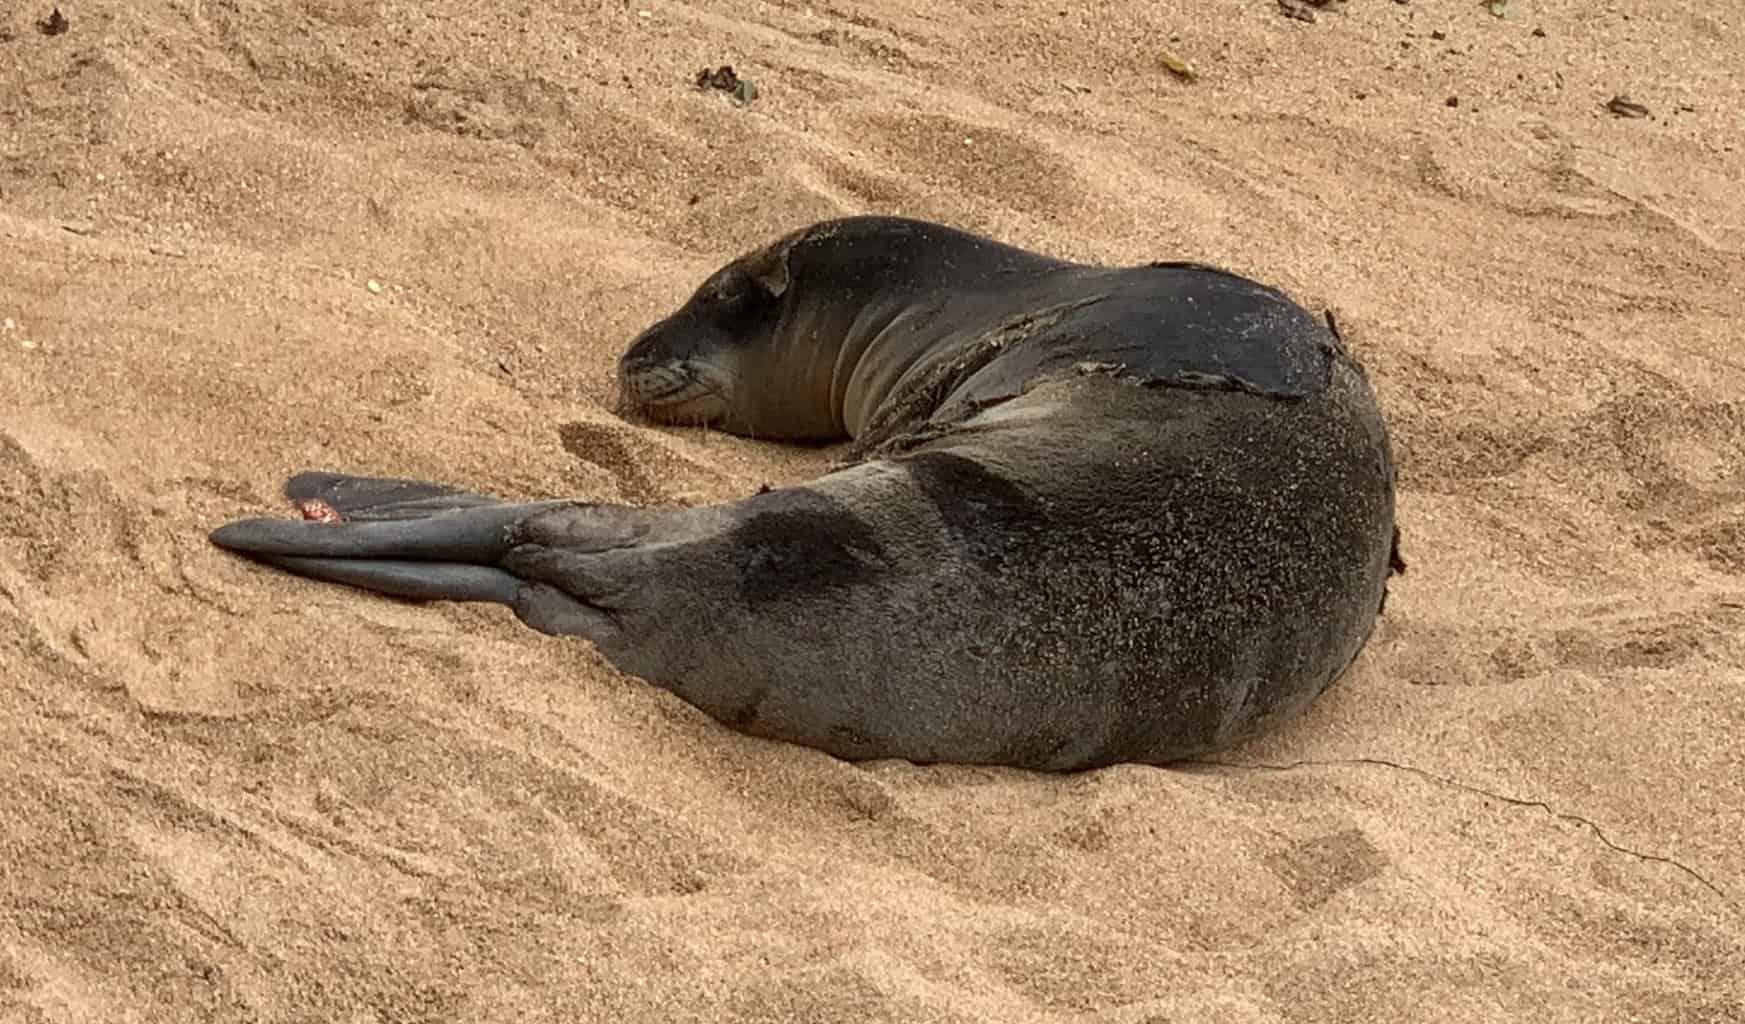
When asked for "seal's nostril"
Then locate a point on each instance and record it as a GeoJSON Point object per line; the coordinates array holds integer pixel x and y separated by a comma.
{"type": "Point", "coordinates": [631, 367]}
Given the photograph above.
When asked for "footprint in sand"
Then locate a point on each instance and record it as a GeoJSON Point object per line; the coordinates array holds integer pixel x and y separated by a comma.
{"type": "Point", "coordinates": [647, 473]}
{"type": "Point", "coordinates": [1318, 869]}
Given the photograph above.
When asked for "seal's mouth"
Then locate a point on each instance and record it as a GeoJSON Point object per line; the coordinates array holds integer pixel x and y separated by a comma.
{"type": "Point", "coordinates": [675, 391]}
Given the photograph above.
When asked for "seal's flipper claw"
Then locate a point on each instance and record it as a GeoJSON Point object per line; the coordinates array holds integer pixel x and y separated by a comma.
{"type": "Point", "coordinates": [355, 498]}
{"type": "Point", "coordinates": [416, 581]}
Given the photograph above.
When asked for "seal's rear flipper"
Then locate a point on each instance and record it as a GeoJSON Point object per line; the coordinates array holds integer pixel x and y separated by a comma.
{"type": "Point", "coordinates": [479, 536]}
{"type": "Point", "coordinates": [539, 605]}
{"type": "Point", "coordinates": [375, 497]}
{"type": "Point", "coordinates": [414, 581]}
{"type": "Point", "coordinates": [406, 538]}
{"type": "Point", "coordinates": [429, 542]}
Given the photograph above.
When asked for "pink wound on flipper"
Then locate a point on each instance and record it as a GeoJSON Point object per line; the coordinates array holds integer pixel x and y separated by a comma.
{"type": "Point", "coordinates": [317, 511]}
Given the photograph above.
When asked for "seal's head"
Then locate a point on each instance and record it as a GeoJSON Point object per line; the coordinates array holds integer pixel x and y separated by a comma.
{"type": "Point", "coordinates": [689, 367]}
{"type": "Point", "coordinates": [801, 339]}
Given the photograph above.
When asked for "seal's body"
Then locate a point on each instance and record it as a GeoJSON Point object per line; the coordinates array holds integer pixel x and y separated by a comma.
{"type": "Point", "coordinates": [1092, 514]}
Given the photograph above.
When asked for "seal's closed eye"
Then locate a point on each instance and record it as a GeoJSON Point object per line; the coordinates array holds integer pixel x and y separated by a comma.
{"type": "Point", "coordinates": [735, 303]}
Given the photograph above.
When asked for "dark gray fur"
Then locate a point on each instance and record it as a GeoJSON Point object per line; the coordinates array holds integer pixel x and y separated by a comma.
{"type": "Point", "coordinates": [1093, 515]}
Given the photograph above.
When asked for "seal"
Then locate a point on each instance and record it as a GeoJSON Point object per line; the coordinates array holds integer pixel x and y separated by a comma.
{"type": "Point", "coordinates": [1088, 515]}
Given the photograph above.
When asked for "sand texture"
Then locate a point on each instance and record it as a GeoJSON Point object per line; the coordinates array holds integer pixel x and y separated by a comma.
{"type": "Point", "coordinates": [242, 238]}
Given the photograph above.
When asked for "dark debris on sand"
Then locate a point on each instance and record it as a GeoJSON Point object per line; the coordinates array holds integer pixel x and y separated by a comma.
{"type": "Point", "coordinates": [54, 24]}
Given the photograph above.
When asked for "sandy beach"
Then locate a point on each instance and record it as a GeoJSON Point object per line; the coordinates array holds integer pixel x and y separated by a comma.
{"type": "Point", "coordinates": [243, 239]}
